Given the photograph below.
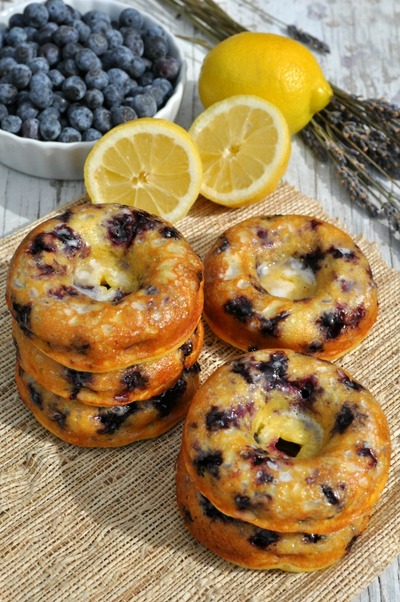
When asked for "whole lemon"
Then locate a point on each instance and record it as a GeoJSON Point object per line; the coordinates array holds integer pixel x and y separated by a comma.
{"type": "Point", "coordinates": [274, 67]}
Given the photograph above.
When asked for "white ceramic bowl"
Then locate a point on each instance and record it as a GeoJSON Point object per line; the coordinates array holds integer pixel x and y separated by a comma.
{"type": "Point", "coordinates": [64, 161]}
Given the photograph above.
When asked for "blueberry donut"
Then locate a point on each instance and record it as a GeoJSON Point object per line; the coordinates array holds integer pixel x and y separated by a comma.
{"type": "Point", "coordinates": [252, 547]}
{"type": "Point", "coordinates": [90, 426]}
{"type": "Point", "coordinates": [101, 287]}
{"type": "Point", "coordinates": [288, 442]}
{"type": "Point", "coordinates": [134, 383]}
{"type": "Point", "coordinates": [289, 281]}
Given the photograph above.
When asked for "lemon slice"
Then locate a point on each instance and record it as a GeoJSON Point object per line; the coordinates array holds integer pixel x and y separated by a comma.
{"type": "Point", "coordinates": [245, 145]}
{"type": "Point", "coordinates": [150, 164]}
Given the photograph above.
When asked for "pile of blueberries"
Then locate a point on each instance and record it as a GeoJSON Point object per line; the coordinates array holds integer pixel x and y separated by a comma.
{"type": "Point", "coordinates": [71, 77]}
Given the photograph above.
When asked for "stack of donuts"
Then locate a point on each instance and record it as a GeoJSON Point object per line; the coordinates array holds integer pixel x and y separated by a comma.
{"type": "Point", "coordinates": [284, 454]}
{"type": "Point", "coordinates": [106, 303]}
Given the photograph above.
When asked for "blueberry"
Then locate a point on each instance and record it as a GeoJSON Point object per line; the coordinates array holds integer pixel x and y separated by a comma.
{"type": "Point", "coordinates": [73, 14]}
{"type": "Point", "coordinates": [134, 41]}
{"type": "Point", "coordinates": [94, 98]}
{"type": "Point", "coordinates": [343, 419]}
{"type": "Point", "coordinates": [137, 67]}
{"type": "Point", "coordinates": [330, 495]}
{"type": "Point", "coordinates": [6, 64]}
{"type": "Point", "coordinates": [41, 96]}
{"type": "Point", "coordinates": [154, 30]}
{"type": "Point", "coordinates": [156, 92]}
{"type": "Point", "coordinates": [122, 114]}
{"type": "Point", "coordinates": [118, 77]}
{"type": "Point", "coordinates": [3, 111]}
{"type": "Point", "coordinates": [112, 95]}
{"type": "Point", "coordinates": [114, 38]}
{"type": "Point", "coordinates": [49, 113]}
{"type": "Point", "coordinates": [80, 117]}
{"type": "Point", "coordinates": [35, 396]}
{"type": "Point", "coordinates": [45, 33]}
{"type": "Point", "coordinates": [3, 30]}
{"type": "Point", "coordinates": [270, 326]}
{"type": "Point", "coordinates": [240, 307]}
{"type": "Point", "coordinates": [262, 538]}
{"type": "Point", "coordinates": [39, 65]}
{"type": "Point", "coordinates": [69, 134]}
{"type": "Point", "coordinates": [11, 123]}
{"type": "Point", "coordinates": [130, 17]}
{"type": "Point", "coordinates": [102, 119]}
{"type": "Point", "coordinates": [161, 89]}
{"type": "Point", "coordinates": [7, 51]}
{"type": "Point", "coordinates": [155, 47]}
{"type": "Point", "coordinates": [91, 135]}
{"type": "Point", "coordinates": [60, 102]}
{"type": "Point", "coordinates": [58, 11]}
{"type": "Point", "coordinates": [8, 93]}
{"type": "Point", "coordinates": [30, 33]}
{"type": "Point", "coordinates": [65, 34]}
{"type": "Point", "coordinates": [15, 36]}
{"type": "Point", "coordinates": [68, 67]}
{"type": "Point", "coordinates": [146, 79]}
{"type": "Point", "coordinates": [56, 77]}
{"type": "Point", "coordinates": [86, 60]}
{"type": "Point", "coordinates": [98, 43]}
{"type": "Point", "coordinates": [74, 88]}
{"type": "Point", "coordinates": [107, 60]}
{"type": "Point", "coordinates": [83, 30]}
{"type": "Point", "coordinates": [101, 26]}
{"type": "Point", "coordinates": [70, 50]}
{"type": "Point", "coordinates": [94, 17]}
{"type": "Point", "coordinates": [49, 128]}
{"type": "Point", "coordinates": [35, 14]}
{"type": "Point", "coordinates": [20, 76]}
{"type": "Point", "coordinates": [16, 20]}
{"type": "Point", "coordinates": [50, 52]}
{"type": "Point", "coordinates": [167, 67]}
{"type": "Point", "coordinates": [122, 57]}
{"type": "Point", "coordinates": [208, 462]}
{"type": "Point", "coordinates": [144, 105]}
{"type": "Point", "coordinates": [22, 96]}
{"type": "Point", "coordinates": [40, 79]}
{"type": "Point", "coordinates": [30, 128]}
{"type": "Point", "coordinates": [26, 52]}
{"type": "Point", "coordinates": [96, 78]}
{"type": "Point", "coordinates": [332, 323]}
{"type": "Point", "coordinates": [164, 85]}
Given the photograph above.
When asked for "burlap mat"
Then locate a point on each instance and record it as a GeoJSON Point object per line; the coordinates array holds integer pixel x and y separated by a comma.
{"type": "Point", "coordinates": [102, 525]}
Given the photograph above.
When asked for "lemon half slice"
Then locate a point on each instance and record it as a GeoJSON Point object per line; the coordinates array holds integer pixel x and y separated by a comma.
{"type": "Point", "coordinates": [245, 145]}
{"type": "Point", "coordinates": [150, 164]}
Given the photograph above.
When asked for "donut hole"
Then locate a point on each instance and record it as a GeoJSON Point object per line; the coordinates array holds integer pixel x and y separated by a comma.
{"type": "Point", "coordinates": [102, 281]}
{"type": "Point", "coordinates": [290, 448]}
{"type": "Point", "coordinates": [291, 434]}
{"type": "Point", "coordinates": [289, 279]}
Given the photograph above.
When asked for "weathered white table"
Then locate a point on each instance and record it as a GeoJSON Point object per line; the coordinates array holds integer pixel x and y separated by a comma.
{"type": "Point", "coordinates": [363, 37]}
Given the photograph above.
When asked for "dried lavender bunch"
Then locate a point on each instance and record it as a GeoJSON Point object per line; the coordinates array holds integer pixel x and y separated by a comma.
{"type": "Point", "coordinates": [213, 21]}
{"type": "Point", "coordinates": [360, 137]}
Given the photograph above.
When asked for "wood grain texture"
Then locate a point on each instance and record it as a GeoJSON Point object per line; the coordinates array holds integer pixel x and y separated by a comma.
{"type": "Point", "coordinates": [364, 38]}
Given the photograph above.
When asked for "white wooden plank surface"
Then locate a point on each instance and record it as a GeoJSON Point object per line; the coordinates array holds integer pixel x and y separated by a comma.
{"type": "Point", "coordinates": [364, 37]}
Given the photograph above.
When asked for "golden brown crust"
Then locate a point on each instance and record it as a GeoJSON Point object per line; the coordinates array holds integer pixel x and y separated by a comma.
{"type": "Point", "coordinates": [287, 442]}
{"type": "Point", "coordinates": [251, 547]}
{"type": "Point", "coordinates": [289, 281]}
{"type": "Point", "coordinates": [134, 383]}
{"type": "Point", "coordinates": [102, 287]}
{"type": "Point", "coordinates": [90, 426]}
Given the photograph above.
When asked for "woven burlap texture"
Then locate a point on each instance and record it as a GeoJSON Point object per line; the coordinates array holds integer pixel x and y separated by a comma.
{"type": "Point", "coordinates": [102, 525]}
